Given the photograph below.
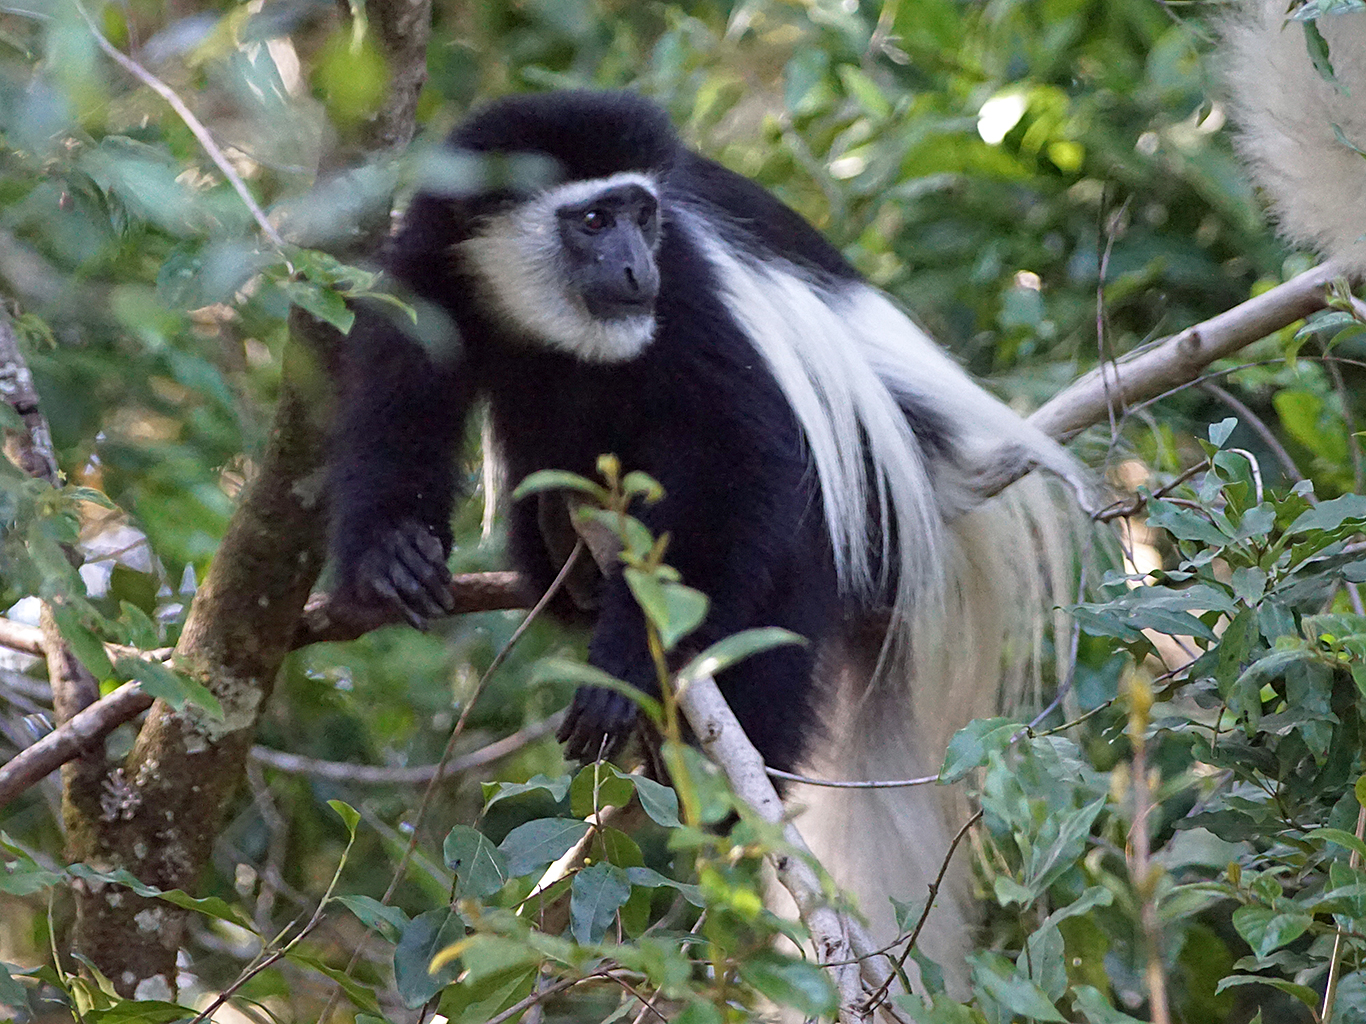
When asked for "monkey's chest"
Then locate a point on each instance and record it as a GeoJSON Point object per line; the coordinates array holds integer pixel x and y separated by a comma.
{"type": "Point", "coordinates": [564, 415]}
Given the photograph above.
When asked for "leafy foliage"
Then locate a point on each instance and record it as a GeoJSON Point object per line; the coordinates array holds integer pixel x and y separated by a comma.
{"type": "Point", "coordinates": [982, 162]}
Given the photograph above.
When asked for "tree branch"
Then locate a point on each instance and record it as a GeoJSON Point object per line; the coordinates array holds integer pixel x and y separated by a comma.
{"type": "Point", "coordinates": [371, 775]}
{"type": "Point", "coordinates": [838, 939]}
{"type": "Point", "coordinates": [1180, 358]}
{"type": "Point", "coordinates": [30, 450]}
{"type": "Point", "coordinates": [81, 733]}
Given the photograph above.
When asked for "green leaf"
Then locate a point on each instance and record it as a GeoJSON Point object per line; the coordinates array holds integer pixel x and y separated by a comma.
{"type": "Point", "coordinates": [1220, 432]}
{"type": "Point", "coordinates": [209, 906]}
{"type": "Point", "coordinates": [481, 869]}
{"type": "Point", "coordinates": [1097, 1009]}
{"type": "Point", "coordinates": [616, 847]}
{"type": "Point", "coordinates": [971, 746]}
{"type": "Point", "coordinates": [735, 648]}
{"type": "Point", "coordinates": [492, 956]}
{"type": "Point", "coordinates": [1185, 524]}
{"type": "Point", "coordinates": [995, 976]}
{"type": "Point", "coordinates": [557, 789]}
{"type": "Point", "coordinates": [388, 921]}
{"type": "Point", "coordinates": [863, 89]}
{"type": "Point", "coordinates": [795, 984]}
{"type": "Point", "coordinates": [908, 915]}
{"type": "Point", "coordinates": [11, 992]}
{"type": "Point", "coordinates": [424, 937]}
{"type": "Point", "coordinates": [321, 302]}
{"type": "Point", "coordinates": [166, 684]}
{"type": "Point", "coordinates": [1317, 48]}
{"type": "Point", "coordinates": [643, 485]}
{"type": "Point", "coordinates": [1048, 863]}
{"type": "Point", "coordinates": [536, 845]}
{"type": "Point", "coordinates": [599, 785]}
{"type": "Point", "coordinates": [649, 878]}
{"type": "Point", "coordinates": [561, 670]}
{"type": "Point", "coordinates": [1350, 509]}
{"type": "Point", "coordinates": [659, 801]}
{"type": "Point", "coordinates": [1095, 896]}
{"type": "Point", "coordinates": [673, 609]}
{"type": "Point", "coordinates": [1339, 836]}
{"type": "Point", "coordinates": [561, 480]}
{"type": "Point", "coordinates": [85, 645]}
{"type": "Point", "coordinates": [139, 1011]}
{"type": "Point", "coordinates": [23, 876]}
{"type": "Point", "coordinates": [1234, 648]}
{"type": "Point", "coordinates": [473, 1002]}
{"type": "Point", "coordinates": [361, 996]}
{"type": "Point", "coordinates": [1266, 929]}
{"type": "Point", "coordinates": [1044, 956]}
{"type": "Point", "coordinates": [1303, 993]}
{"type": "Point", "coordinates": [599, 890]}
{"type": "Point", "coordinates": [348, 814]}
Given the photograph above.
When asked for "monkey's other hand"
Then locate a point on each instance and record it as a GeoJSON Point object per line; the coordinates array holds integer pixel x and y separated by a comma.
{"type": "Point", "coordinates": [598, 724]}
{"type": "Point", "coordinates": [405, 572]}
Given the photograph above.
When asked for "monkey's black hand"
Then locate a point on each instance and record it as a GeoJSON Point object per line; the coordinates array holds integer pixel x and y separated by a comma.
{"type": "Point", "coordinates": [598, 724]}
{"type": "Point", "coordinates": [406, 573]}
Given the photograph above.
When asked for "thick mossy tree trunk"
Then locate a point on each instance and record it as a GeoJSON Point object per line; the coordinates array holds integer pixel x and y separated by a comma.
{"type": "Point", "coordinates": [163, 807]}
{"type": "Point", "coordinates": [158, 813]}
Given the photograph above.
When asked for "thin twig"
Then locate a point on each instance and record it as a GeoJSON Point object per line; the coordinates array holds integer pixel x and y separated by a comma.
{"type": "Point", "coordinates": [1140, 861]}
{"type": "Point", "coordinates": [1105, 358]}
{"type": "Point", "coordinates": [373, 775]}
{"type": "Point", "coordinates": [807, 780]}
{"type": "Point", "coordinates": [1117, 511]}
{"type": "Point", "coordinates": [193, 123]}
{"type": "Point", "coordinates": [881, 993]}
{"type": "Point", "coordinates": [1335, 961]}
{"type": "Point", "coordinates": [538, 997]}
{"type": "Point", "coordinates": [1258, 425]}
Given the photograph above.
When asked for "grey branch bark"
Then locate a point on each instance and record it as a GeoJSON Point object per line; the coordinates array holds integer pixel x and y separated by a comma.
{"type": "Point", "coordinates": [1180, 358]}
{"type": "Point", "coordinates": [30, 449]}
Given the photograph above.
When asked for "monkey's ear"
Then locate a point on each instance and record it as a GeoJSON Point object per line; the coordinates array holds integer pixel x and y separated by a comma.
{"type": "Point", "coordinates": [404, 576]}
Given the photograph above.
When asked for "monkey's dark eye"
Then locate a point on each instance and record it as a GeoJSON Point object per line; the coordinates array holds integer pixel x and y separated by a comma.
{"type": "Point", "coordinates": [647, 216]}
{"type": "Point", "coordinates": [597, 220]}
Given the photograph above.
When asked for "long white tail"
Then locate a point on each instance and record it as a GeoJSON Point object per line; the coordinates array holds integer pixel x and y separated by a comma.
{"type": "Point", "coordinates": [1007, 566]}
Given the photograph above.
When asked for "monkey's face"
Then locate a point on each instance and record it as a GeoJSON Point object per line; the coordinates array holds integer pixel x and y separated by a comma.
{"type": "Point", "coordinates": [609, 245]}
{"type": "Point", "coordinates": [573, 268]}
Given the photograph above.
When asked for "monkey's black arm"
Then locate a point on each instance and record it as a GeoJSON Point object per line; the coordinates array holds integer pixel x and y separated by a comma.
{"type": "Point", "coordinates": [400, 418]}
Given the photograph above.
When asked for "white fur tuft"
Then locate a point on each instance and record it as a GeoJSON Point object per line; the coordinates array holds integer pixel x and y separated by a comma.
{"type": "Point", "coordinates": [519, 257]}
{"type": "Point", "coordinates": [977, 576]}
{"type": "Point", "coordinates": [847, 360]}
{"type": "Point", "coordinates": [1286, 113]}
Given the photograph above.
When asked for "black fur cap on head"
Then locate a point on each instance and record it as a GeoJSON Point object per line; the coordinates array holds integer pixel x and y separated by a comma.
{"type": "Point", "coordinates": [591, 134]}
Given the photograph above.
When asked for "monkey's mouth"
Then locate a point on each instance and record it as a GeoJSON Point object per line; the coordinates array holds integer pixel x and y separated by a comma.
{"type": "Point", "coordinates": [619, 307]}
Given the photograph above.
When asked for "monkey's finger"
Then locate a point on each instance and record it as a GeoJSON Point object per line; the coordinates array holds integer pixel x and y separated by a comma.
{"type": "Point", "coordinates": [415, 553]}
{"type": "Point", "coordinates": [428, 546]}
{"type": "Point", "coordinates": [413, 592]}
{"type": "Point", "coordinates": [384, 590]}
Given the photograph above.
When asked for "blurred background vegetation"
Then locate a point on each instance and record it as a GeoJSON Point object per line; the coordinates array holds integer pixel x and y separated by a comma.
{"type": "Point", "coordinates": [1016, 172]}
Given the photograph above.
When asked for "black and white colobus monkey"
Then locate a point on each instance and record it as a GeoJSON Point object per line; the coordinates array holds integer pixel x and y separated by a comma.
{"type": "Point", "coordinates": [819, 454]}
